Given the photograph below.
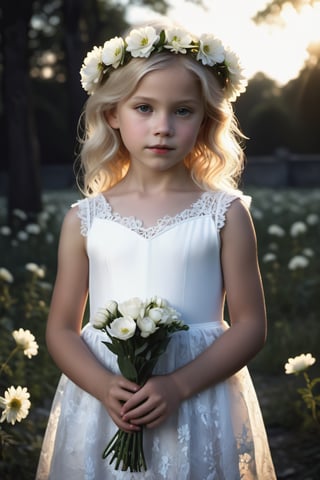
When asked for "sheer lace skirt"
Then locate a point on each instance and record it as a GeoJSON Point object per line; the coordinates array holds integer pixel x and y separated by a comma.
{"type": "Point", "coordinates": [217, 435]}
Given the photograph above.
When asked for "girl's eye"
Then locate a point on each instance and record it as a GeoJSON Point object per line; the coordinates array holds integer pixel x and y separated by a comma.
{"type": "Point", "coordinates": [143, 108]}
{"type": "Point", "coordinates": [182, 111]}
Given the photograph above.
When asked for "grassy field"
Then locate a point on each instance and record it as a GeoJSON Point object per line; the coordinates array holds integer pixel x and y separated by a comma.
{"type": "Point", "coordinates": [287, 223]}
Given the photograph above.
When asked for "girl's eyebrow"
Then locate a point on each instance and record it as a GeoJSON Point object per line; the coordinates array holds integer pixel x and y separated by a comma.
{"type": "Point", "coordinates": [154, 99]}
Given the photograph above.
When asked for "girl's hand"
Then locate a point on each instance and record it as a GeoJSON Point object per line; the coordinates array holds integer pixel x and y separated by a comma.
{"type": "Point", "coordinates": [153, 403]}
{"type": "Point", "coordinates": [119, 392]}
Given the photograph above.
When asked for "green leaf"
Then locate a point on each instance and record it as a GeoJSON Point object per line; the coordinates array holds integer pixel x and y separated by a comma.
{"type": "Point", "coordinates": [314, 382]}
{"type": "Point", "coordinates": [141, 349]}
{"type": "Point", "coordinates": [113, 348]}
{"type": "Point", "coordinates": [127, 368]}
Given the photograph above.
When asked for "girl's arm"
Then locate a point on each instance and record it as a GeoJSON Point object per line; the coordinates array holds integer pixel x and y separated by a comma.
{"type": "Point", "coordinates": [228, 354]}
{"type": "Point", "coordinates": [64, 342]}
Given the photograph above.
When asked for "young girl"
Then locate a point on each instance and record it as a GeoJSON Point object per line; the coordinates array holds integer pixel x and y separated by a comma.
{"type": "Point", "coordinates": [160, 161]}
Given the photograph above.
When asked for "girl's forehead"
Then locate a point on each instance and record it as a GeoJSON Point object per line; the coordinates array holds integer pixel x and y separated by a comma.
{"type": "Point", "coordinates": [173, 77]}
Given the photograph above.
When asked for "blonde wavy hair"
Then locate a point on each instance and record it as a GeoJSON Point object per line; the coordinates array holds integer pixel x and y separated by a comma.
{"type": "Point", "coordinates": [217, 159]}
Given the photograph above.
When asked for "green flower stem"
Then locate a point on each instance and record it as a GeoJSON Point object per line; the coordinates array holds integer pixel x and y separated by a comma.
{"type": "Point", "coordinates": [3, 365]}
{"type": "Point", "coordinates": [313, 403]}
{"type": "Point", "coordinates": [128, 448]}
{"type": "Point", "coordinates": [140, 448]}
{"type": "Point", "coordinates": [121, 448]}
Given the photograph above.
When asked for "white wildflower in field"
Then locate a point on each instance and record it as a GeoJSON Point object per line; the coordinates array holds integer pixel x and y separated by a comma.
{"type": "Point", "coordinates": [5, 275]}
{"type": "Point", "coordinates": [308, 252]}
{"type": "Point", "coordinates": [298, 261]}
{"type": "Point", "coordinates": [19, 214]}
{"type": "Point", "coordinates": [273, 246]}
{"type": "Point", "coordinates": [22, 236]}
{"type": "Point", "coordinates": [26, 342]}
{"type": "Point", "coordinates": [257, 214]}
{"type": "Point", "coordinates": [33, 228]}
{"type": "Point", "coordinates": [5, 231]}
{"type": "Point", "coordinates": [299, 363]}
{"type": "Point", "coordinates": [34, 268]}
{"type": "Point", "coordinates": [312, 219]}
{"type": "Point", "coordinates": [16, 404]}
{"type": "Point", "coordinates": [269, 257]}
{"type": "Point", "coordinates": [276, 230]}
{"type": "Point", "coordinates": [298, 228]}
{"type": "Point", "coordinates": [49, 237]}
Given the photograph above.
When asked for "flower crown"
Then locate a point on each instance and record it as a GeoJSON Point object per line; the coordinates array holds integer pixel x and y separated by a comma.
{"type": "Point", "coordinates": [142, 42]}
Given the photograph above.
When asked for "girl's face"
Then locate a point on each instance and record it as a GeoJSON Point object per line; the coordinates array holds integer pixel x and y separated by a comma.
{"type": "Point", "coordinates": [159, 123]}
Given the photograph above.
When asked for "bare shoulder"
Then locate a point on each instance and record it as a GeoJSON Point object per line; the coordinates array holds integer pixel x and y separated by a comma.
{"type": "Point", "coordinates": [71, 219]}
{"type": "Point", "coordinates": [238, 226]}
{"type": "Point", "coordinates": [71, 228]}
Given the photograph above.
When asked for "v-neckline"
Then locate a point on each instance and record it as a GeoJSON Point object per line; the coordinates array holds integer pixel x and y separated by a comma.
{"type": "Point", "coordinates": [137, 225]}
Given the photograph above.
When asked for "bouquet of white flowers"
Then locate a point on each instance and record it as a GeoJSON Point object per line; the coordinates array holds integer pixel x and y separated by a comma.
{"type": "Point", "coordinates": [139, 332]}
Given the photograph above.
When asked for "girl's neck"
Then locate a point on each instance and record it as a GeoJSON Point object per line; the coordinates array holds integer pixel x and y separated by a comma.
{"type": "Point", "coordinates": [157, 183]}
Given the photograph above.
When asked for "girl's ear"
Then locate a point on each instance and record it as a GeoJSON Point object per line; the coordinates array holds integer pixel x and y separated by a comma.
{"type": "Point", "coordinates": [112, 118]}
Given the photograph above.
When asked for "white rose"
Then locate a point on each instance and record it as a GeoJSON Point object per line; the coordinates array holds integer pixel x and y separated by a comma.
{"type": "Point", "coordinates": [155, 314]}
{"type": "Point", "coordinates": [112, 307]}
{"type": "Point", "coordinates": [147, 326]}
{"type": "Point", "coordinates": [100, 319]}
{"type": "Point", "coordinates": [131, 308]}
{"type": "Point", "coordinates": [122, 328]}
{"type": "Point", "coordinates": [170, 315]}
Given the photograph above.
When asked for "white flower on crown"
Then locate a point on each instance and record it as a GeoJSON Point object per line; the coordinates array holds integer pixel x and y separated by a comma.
{"type": "Point", "coordinates": [140, 42]}
{"type": "Point", "coordinates": [211, 50]}
{"type": "Point", "coordinates": [113, 51]}
{"type": "Point", "coordinates": [238, 81]}
{"type": "Point", "coordinates": [90, 72]}
{"type": "Point", "coordinates": [178, 40]}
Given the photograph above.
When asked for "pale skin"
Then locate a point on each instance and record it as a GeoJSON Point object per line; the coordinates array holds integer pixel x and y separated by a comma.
{"type": "Point", "coordinates": [159, 124]}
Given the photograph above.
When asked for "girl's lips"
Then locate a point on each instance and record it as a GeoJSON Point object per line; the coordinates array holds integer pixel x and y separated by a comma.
{"type": "Point", "coordinates": [160, 148]}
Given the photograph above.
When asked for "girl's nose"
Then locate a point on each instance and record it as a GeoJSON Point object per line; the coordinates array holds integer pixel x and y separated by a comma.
{"type": "Point", "coordinates": [163, 126]}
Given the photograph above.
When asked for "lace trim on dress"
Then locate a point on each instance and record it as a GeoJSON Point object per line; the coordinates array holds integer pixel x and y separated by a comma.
{"type": "Point", "coordinates": [215, 204]}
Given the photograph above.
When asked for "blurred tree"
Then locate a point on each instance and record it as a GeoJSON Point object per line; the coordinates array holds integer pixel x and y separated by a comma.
{"type": "Point", "coordinates": [22, 156]}
{"type": "Point", "coordinates": [263, 117]}
{"type": "Point", "coordinates": [301, 96]}
{"type": "Point", "coordinates": [272, 9]}
{"type": "Point", "coordinates": [269, 128]}
{"type": "Point", "coordinates": [47, 38]}
{"type": "Point", "coordinates": [260, 89]}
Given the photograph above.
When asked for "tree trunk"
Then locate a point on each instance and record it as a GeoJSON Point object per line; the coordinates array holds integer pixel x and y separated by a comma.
{"type": "Point", "coordinates": [22, 146]}
{"type": "Point", "coordinates": [74, 57]}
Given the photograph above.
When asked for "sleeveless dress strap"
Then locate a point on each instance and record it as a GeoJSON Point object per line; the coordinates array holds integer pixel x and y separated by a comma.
{"type": "Point", "coordinates": [86, 213]}
{"type": "Point", "coordinates": [221, 204]}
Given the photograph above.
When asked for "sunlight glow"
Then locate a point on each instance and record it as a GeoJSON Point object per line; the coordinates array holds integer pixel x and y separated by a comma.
{"type": "Point", "coordinates": [279, 50]}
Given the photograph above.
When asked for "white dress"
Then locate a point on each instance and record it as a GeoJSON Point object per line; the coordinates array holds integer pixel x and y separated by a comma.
{"type": "Point", "coordinates": [218, 434]}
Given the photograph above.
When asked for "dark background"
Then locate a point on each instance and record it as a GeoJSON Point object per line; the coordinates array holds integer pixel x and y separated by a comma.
{"type": "Point", "coordinates": [43, 44]}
